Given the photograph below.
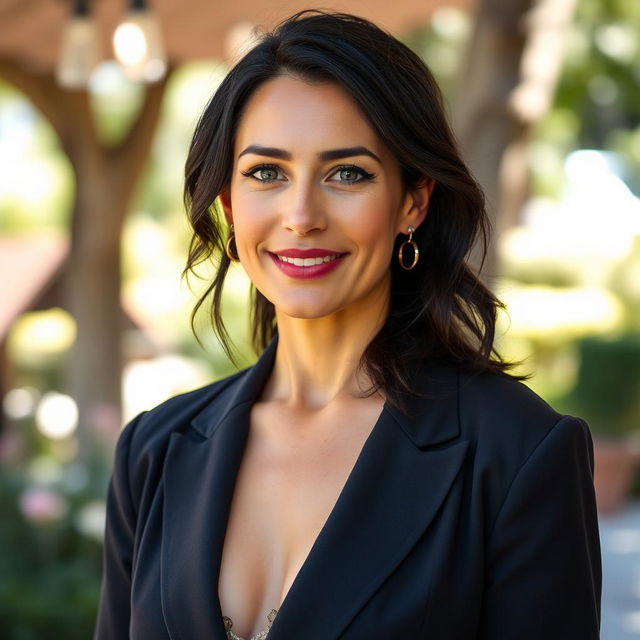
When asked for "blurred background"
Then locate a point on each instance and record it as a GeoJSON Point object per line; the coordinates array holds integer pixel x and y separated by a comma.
{"type": "Point", "coordinates": [98, 100]}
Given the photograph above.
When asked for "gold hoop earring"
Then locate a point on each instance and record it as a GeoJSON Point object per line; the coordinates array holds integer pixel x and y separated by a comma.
{"type": "Point", "coordinates": [227, 246]}
{"type": "Point", "coordinates": [414, 246]}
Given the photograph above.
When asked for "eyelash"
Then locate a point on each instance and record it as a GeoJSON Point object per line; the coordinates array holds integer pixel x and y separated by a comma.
{"type": "Point", "coordinates": [364, 175]}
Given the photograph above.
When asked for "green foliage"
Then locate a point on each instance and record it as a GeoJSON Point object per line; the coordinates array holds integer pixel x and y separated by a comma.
{"type": "Point", "coordinates": [36, 189]}
{"type": "Point", "coordinates": [625, 283]}
{"type": "Point", "coordinates": [441, 44]}
{"type": "Point", "coordinates": [607, 392]}
{"type": "Point", "coordinates": [115, 103]}
{"type": "Point", "coordinates": [51, 507]}
{"type": "Point", "coordinates": [49, 571]}
{"type": "Point", "coordinates": [597, 95]}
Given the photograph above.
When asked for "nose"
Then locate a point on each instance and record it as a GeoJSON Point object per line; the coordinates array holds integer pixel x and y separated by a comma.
{"type": "Point", "coordinates": [303, 211]}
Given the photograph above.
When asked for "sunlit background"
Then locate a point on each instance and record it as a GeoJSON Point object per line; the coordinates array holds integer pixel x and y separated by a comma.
{"type": "Point", "coordinates": [564, 196]}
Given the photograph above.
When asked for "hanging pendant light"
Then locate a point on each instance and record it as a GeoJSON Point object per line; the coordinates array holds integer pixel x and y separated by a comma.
{"type": "Point", "coordinates": [78, 49]}
{"type": "Point", "coordinates": [138, 46]}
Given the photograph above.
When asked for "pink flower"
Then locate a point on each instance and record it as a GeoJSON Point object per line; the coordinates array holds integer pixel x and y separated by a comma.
{"type": "Point", "coordinates": [42, 505]}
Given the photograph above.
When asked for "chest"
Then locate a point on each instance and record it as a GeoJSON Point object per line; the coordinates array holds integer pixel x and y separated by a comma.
{"type": "Point", "coordinates": [291, 475]}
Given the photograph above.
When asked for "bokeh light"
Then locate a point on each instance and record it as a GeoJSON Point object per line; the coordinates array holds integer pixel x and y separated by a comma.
{"type": "Point", "coordinates": [57, 415]}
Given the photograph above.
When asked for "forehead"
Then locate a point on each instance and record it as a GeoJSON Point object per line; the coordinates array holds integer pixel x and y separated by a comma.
{"type": "Point", "coordinates": [294, 114]}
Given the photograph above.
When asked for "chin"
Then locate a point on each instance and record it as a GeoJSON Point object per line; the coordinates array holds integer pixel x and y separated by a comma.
{"type": "Point", "coordinates": [308, 304]}
{"type": "Point", "coordinates": [305, 309]}
{"type": "Point", "coordinates": [305, 312]}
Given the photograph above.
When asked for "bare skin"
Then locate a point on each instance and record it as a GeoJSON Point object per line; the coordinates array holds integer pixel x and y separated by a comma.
{"type": "Point", "coordinates": [314, 415]}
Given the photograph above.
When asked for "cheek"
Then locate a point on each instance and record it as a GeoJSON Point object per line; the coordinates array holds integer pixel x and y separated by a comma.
{"type": "Point", "coordinates": [250, 219]}
{"type": "Point", "coordinates": [374, 226]}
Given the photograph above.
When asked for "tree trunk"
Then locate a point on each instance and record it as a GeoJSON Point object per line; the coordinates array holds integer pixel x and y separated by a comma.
{"type": "Point", "coordinates": [93, 294]}
{"type": "Point", "coordinates": [106, 178]}
{"type": "Point", "coordinates": [507, 84]}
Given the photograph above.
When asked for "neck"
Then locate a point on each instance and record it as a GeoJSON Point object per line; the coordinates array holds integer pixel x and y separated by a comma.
{"type": "Point", "coordinates": [317, 360]}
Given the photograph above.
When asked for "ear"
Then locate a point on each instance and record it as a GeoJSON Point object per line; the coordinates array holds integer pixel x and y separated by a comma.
{"type": "Point", "coordinates": [225, 202]}
{"type": "Point", "coordinates": [416, 205]}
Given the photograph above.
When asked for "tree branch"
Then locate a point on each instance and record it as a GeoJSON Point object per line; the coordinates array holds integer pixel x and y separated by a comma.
{"type": "Point", "coordinates": [130, 155]}
{"type": "Point", "coordinates": [68, 112]}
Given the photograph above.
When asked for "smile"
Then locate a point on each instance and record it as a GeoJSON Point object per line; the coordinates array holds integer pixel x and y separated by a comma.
{"type": "Point", "coordinates": [305, 264]}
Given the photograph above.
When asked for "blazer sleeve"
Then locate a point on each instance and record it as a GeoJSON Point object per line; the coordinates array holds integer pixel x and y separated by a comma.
{"type": "Point", "coordinates": [543, 571]}
{"type": "Point", "coordinates": [114, 607]}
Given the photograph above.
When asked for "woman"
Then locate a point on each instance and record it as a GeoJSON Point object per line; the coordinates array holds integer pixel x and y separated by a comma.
{"type": "Point", "coordinates": [376, 474]}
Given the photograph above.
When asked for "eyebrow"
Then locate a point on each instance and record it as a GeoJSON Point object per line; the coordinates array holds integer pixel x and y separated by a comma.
{"type": "Point", "coordinates": [331, 154]}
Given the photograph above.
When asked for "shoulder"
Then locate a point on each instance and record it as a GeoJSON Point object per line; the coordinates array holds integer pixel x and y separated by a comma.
{"type": "Point", "coordinates": [499, 396]}
{"type": "Point", "coordinates": [485, 402]}
{"type": "Point", "coordinates": [516, 436]}
{"type": "Point", "coordinates": [142, 445]}
{"type": "Point", "coordinates": [149, 432]}
{"type": "Point", "coordinates": [508, 421]}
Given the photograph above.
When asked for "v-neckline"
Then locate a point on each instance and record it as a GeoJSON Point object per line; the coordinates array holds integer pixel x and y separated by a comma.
{"type": "Point", "coordinates": [312, 550]}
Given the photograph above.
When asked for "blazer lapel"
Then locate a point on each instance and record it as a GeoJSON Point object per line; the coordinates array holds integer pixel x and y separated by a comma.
{"type": "Point", "coordinates": [390, 498]}
{"type": "Point", "coordinates": [199, 477]}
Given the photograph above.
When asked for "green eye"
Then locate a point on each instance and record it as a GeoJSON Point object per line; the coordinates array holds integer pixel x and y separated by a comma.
{"type": "Point", "coordinates": [264, 173]}
{"type": "Point", "coordinates": [351, 174]}
{"type": "Point", "coordinates": [267, 173]}
{"type": "Point", "coordinates": [348, 175]}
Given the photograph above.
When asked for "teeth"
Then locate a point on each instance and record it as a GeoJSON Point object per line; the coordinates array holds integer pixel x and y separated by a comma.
{"type": "Point", "coordinates": [308, 262]}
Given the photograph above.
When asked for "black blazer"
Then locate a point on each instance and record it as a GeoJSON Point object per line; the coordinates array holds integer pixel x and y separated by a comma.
{"type": "Point", "coordinates": [472, 518]}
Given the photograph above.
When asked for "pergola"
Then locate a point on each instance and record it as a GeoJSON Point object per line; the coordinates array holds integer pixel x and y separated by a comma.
{"type": "Point", "coordinates": [30, 29]}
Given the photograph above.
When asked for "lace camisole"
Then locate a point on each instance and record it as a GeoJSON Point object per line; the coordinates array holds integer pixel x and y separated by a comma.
{"type": "Point", "coordinates": [262, 635]}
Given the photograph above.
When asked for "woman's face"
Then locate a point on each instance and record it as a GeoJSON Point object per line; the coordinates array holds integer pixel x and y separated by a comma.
{"type": "Point", "coordinates": [316, 200]}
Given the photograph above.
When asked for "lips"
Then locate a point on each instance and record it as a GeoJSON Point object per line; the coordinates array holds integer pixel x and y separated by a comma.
{"type": "Point", "coordinates": [307, 263]}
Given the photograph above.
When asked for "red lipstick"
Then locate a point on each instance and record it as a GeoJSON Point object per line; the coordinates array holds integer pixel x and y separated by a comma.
{"type": "Point", "coordinates": [306, 263]}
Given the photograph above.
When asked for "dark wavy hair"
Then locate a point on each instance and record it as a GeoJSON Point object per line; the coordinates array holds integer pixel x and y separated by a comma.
{"type": "Point", "coordinates": [440, 309]}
